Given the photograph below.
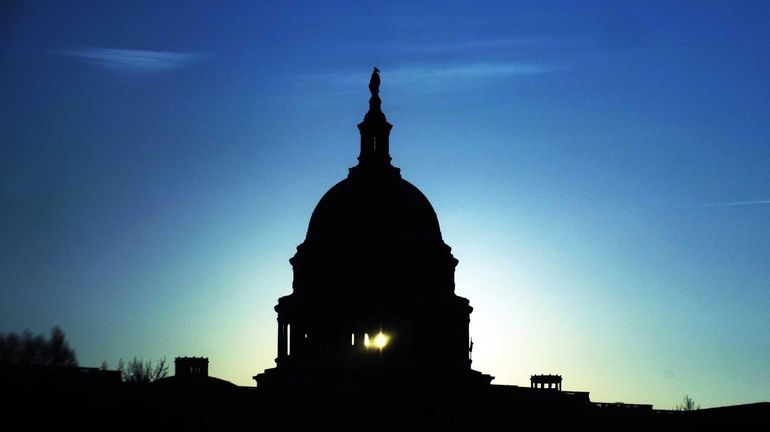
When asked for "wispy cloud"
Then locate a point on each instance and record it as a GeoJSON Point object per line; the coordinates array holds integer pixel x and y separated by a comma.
{"type": "Point", "coordinates": [479, 45]}
{"type": "Point", "coordinates": [436, 77]}
{"type": "Point", "coordinates": [469, 71]}
{"type": "Point", "coordinates": [735, 204]}
{"type": "Point", "coordinates": [133, 61]}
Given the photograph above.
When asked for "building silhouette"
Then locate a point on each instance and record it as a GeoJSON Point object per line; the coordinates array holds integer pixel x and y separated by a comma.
{"type": "Point", "coordinates": [372, 336]}
{"type": "Point", "coordinates": [373, 298]}
{"type": "Point", "coordinates": [191, 366]}
{"type": "Point", "coordinates": [550, 382]}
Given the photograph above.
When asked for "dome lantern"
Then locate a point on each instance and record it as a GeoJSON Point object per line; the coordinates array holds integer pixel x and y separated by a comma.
{"type": "Point", "coordinates": [375, 129]}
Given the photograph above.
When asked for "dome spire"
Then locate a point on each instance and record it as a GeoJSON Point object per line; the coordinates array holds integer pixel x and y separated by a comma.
{"type": "Point", "coordinates": [375, 129]}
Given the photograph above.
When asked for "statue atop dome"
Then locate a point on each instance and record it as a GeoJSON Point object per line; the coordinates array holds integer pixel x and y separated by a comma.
{"type": "Point", "coordinates": [375, 129]}
{"type": "Point", "coordinates": [374, 82]}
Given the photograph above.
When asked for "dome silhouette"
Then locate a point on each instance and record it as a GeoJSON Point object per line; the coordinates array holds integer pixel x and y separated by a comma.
{"type": "Point", "coordinates": [363, 209]}
{"type": "Point", "coordinates": [373, 234]}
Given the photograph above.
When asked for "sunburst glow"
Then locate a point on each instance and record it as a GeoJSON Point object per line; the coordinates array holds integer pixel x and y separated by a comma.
{"type": "Point", "coordinates": [379, 342]}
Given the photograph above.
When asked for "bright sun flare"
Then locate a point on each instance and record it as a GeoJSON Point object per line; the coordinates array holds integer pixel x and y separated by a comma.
{"type": "Point", "coordinates": [379, 341]}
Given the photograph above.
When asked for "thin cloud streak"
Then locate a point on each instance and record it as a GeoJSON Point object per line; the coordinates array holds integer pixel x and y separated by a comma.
{"type": "Point", "coordinates": [489, 45]}
{"type": "Point", "coordinates": [133, 61]}
{"type": "Point", "coordinates": [470, 71]}
{"type": "Point", "coordinates": [438, 77]}
{"type": "Point", "coordinates": [735, 204]}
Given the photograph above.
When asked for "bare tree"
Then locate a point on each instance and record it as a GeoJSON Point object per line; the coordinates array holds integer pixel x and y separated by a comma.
{"type": "Point", "coordinates": [138, 371]}
{"type": "Point", "coordinates": [29, 349]}
{"type": "Point", "coordinates": [687, 404]}
{"type": "Point", "coordinates": [59, 351]}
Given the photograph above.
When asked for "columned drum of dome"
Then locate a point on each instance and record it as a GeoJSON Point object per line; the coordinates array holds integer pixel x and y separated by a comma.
{"type": "Point", "coordinates": [373, 296]}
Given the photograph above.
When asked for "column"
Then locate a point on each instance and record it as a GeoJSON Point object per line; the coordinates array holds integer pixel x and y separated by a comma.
{"type": "Point", "coordinates": [281, 340]}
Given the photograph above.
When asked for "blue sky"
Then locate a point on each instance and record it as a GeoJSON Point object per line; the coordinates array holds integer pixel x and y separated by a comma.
{"type": "Point", "coordinates": [600, 170]}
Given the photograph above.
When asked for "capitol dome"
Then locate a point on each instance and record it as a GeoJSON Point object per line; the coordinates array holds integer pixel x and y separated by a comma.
{"type": "Point", "coordinates": [373, 233]}
{"type": "Point", "coordinates": [373, 296]}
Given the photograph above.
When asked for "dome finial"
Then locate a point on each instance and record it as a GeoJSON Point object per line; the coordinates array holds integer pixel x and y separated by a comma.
{"type": "Point", "coordinates": [374, 82]}
{"type": "Point", "coordinates": [375, 111]}
{"type": "Point", "coordinates": [375, 129]}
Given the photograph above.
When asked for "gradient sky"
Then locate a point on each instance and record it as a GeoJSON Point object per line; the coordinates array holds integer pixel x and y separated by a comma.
{"type": "Point", "coordinates": [600, 169]}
